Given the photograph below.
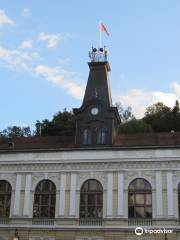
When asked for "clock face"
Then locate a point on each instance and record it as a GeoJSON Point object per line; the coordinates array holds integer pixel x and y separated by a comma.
{"type": "Point", "coordinates": [94, 111]}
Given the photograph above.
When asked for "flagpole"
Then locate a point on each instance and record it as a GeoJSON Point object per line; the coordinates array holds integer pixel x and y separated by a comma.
{"type": "Point", "coordinates": [100, 35]}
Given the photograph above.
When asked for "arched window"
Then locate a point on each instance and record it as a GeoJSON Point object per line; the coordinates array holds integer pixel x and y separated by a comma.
{"type": "Point", "coordinates": [87, 136]}
{"type": "Point", "coordinates": [179, 199]}
{"type": "Point", "coordinates": [44, 200]}
{"type": "Point", "coordinates": [101, 136]}
{"type": "Point", "coordinates": [5, 198]}
{"type": "Point", "coordinates": [140, 199]}
{"type": "Point", "coordinates": [91, 199]}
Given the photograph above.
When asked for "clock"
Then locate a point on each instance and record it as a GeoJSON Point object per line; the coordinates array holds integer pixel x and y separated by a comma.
{"type": "Point", "coordinates": [94, 111]}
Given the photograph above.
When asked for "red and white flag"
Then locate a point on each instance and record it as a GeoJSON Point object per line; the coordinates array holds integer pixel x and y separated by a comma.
{"type": "Point", "coordinates": [102, 28]}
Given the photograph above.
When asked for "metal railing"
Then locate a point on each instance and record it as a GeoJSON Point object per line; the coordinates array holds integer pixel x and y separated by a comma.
{"type": "Point", "coordinates": [42, 221]}
{"type": "Point", "coordinates": [90, 221]}
{"type": "Point", "coordinates": [4, 220]}
{"type": "Point", "coordinates": [139, 222]}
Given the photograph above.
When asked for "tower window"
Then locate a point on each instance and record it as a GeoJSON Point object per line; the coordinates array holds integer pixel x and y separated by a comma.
{"type": "Point", "coordinates": [87, 136]}
{"type": "Point", "coordinates": [101, 136]}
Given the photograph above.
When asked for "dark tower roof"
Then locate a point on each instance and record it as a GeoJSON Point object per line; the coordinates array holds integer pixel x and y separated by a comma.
{"type": "Point", "coordinates": [98, 84]}
{"type": "Point", "coordinates": [97, 119]}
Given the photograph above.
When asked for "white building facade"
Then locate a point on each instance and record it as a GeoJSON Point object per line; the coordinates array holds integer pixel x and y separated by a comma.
{"type": "Point", "coordinates": [102, 187]}
{"type": "Point", "coordinates": [115, 169]}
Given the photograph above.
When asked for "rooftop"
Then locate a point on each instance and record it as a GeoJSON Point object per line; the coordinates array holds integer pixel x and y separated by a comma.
{"type": "Point", "coordinates": [141, 140]}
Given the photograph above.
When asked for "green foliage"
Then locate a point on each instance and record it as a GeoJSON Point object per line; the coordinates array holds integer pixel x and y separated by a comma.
{"type": "Point", "coordinates": [16, 131]}
{"type": "Point", "coordinates": [134, 126]}
{"type": "Point", "coordinates": [163, 118]}
{"type": "Point", "coordinates": [62, 124]}
{"type": "Point", "coordinates": [158, 118]}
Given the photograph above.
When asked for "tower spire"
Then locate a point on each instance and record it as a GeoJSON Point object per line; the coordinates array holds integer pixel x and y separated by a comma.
{"type": "Point", "coordinates": [97, 119]}
{"type": "Point", "coordinates": [98, 81]}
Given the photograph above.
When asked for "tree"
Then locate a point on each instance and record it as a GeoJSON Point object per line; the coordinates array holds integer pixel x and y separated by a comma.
{"type": "Point", "coordinates": [125, 114]}
{"type": "Point", "coordinates": [162, 118]}
{"type": "Point", "coordinates": [16, 131]}
{"type": "Point", "coordinates": [176, 116]}
{"type": "Point", "coordinates": [134, 126]}
{"type": "Point", "coordinates": [62, 124]}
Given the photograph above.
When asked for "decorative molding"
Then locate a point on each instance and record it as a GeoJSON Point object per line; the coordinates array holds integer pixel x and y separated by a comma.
{"type": "Point", "coordinates": [46, 167]}
{"type": "Point", "coordinates": [84, 176]}
{"type": "Point", "coordinates": [39, 176]}
{"type": "Point", "coordinates": [111, 165]}
{"type": "Point", "coordinates": [10, 177]}
{"type": "Point", "coordinates": [72, 209]}
{"type": "Point", "coordinates": [109, 194]}
{"type": "Point", "coordinates": [62, 195]}
{"type": "Point", "coordinates": [159, 201]}
{"type": "Point", "coordinates": [26, 210]}
{"type": "Point", "coordinates": [132, 175]}
{"type": "Point", "coordinates": [17, 195]}
{"type": "Point", "coordinates": [120, 210]}
{"type": "Point", "coordinates": [36, 178]}
{"type": "Point", "coordinates": [170, 197]}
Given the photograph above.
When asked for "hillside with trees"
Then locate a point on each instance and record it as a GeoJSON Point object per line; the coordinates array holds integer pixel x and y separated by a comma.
{"type": "Point", "coordinates": [157, 118]}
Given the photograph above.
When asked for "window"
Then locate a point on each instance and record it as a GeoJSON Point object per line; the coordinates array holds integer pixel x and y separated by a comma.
{"type": "Point", "coordinates": [101, 136]}
{"type": "Point", "coordinates": [140, 199]}
{"type": "Point", "coordinates": [44, 200]}
{"type": "Point", "coordinates": [5, 198]}
{"type": "Point", "coordinates": [91, 199]}
{"type": "Point", "coordinates": [87, 136]}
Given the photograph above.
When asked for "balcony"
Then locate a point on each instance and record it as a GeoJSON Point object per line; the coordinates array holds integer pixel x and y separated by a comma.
{"type": "Point", "coordinates": [4, 220]}
{"type": "Point", "coordinates": [139, 222]}
{"type": "Point", "coordinates": [90, 221]}
{"type": "Point", "coordinates": [43, 221]}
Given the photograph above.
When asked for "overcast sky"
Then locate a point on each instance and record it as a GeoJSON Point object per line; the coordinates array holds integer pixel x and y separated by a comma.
{"type": "Point", "coordinates": [44, 53]}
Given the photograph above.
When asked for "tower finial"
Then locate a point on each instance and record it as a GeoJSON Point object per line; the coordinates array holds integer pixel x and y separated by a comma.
{"type": "Point", "coordinates": [98, 55]}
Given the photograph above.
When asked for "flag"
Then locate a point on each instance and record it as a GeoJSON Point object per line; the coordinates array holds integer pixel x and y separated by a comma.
{"type": "Point", "coordinates": [102, 28]}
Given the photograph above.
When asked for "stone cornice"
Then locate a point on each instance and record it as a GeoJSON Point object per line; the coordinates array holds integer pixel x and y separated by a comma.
{"type": "Point", "coordinates": [91, 156]}
{"type": "Point", "coordinates": [91, 166]}
{"type": "Point", "coordinates": [114, 148]}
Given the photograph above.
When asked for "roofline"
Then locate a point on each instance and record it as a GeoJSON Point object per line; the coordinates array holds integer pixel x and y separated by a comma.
{"type": "Point", "coordinates": [115, 148]}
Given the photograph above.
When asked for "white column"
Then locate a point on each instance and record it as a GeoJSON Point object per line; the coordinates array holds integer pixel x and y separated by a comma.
{"type": "Point", "coordinates": [120, 194]}
{"type": "Point", "coordinates": [109, 193]}
{"type": "Point", "coordinates": [26, 210]}
{"type": "Point", "coordinates": [17, 195]}
{"type": "Point", "coordinates": [72, 209]}
{"type": "Point", "coordinates": [170, 199]}
{"type": "Point", "coordinates": [62, 194]}
{"type": "Point", "coordinates": [159, 202]}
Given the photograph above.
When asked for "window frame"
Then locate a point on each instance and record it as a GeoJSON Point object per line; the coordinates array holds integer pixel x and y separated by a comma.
{"type": "Point", "coordinates": [39, 195]}
{"type": "Point", "coordinates": [133, 192]}
{"type": "Point", "coordinates": [101, 136]}
{"type": "Point", "coordinates": [87, 136]}
{"type": "Point", "coordinates": [5, 195]}
{"type": "Point", "coordinates": [97, 202]}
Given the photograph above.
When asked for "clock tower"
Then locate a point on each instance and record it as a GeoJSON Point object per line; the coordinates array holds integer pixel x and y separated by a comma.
{"type": "Point", "coordinates": [97, 119]}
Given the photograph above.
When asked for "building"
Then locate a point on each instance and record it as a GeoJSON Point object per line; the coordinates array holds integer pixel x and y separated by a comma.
{"type": "Point", "coordinates": [96, 186]}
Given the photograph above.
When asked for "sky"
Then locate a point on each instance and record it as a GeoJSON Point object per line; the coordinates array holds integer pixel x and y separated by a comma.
{"type": "Point", "coordinates": [44, 53]}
